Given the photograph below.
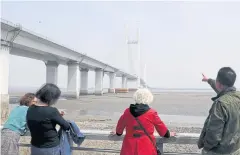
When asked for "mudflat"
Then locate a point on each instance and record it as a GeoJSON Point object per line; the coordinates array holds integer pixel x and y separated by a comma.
{"type": "Point", "coordinates": [182, 112]}
{"type": "Point", "coordinates": [111, 106]}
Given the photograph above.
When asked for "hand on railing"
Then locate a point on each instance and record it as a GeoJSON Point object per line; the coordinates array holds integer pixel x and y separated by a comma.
{"type": "Point", "coordinates": [172, 134]}
{"type": "Point", "coordinates": [112, 133]}
{"type": "Point", "coordinates": [113, 136]}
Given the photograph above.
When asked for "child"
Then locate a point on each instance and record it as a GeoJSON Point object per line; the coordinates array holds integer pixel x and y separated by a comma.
{"type": "Point", "coordinates": [16, 126]}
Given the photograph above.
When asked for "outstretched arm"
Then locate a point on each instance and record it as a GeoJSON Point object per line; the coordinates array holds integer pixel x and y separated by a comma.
{"type": "Point", "coordinates": [212, 83]}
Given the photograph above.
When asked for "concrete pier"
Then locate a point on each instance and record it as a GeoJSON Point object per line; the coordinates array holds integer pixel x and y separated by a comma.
{"type": "Point", "coordinates": [52, 72]}
{"type": "Point", "coordinates": [99, 82]}
{"type": "Point", "coordinates": [4, 76]}
{"type": "Point", "coordinates": [73, 79]}
{"type": "Point", "coordinates": [124, 82]}
{"type": "Point", "coordinates": [84, 81]}
{"type": "Point", "coordinates": [112, 82]}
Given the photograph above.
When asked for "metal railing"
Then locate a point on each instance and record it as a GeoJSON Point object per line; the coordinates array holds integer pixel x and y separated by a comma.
{"type": "Point", "coordinates": [180, 138]}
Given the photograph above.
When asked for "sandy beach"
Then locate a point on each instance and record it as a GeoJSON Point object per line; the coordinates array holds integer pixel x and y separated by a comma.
{"type": "Point", "coordinates": [182, 112]}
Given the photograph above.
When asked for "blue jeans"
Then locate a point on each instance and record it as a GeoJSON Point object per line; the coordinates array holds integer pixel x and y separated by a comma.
{"type": "Point", "coordinates": [45, 151]}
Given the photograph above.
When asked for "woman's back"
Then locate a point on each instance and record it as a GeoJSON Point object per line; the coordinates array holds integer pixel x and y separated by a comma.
{"type": "Point", "coordinates": [136, 142]}
{"type": "Point", "coordinates": [42, 122]}
{"type": "Point", "coordinates": [132, 126]}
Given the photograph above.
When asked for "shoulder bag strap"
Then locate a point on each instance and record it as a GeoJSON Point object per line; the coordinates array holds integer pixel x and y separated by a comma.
{"type": "Point", "coordinates": [140, 124]}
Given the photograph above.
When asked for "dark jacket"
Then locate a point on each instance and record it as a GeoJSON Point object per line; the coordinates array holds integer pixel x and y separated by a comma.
{"type": "Point", "coordinates": [221, 131]}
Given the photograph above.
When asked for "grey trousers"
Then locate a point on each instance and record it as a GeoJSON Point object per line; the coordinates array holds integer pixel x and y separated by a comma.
{"type": "Point", "coordinates": [9, 142]}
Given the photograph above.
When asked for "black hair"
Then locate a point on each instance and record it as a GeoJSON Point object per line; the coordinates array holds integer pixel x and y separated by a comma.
{"type": "Point", "coordinates": [226, 76]}
{"type": "Point", "coordinates": [27, 99]}
{"type": "Point", "coordinates": [48, 93]}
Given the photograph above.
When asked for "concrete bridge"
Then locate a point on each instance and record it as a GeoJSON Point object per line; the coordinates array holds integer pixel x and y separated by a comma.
{"type": "Point", "coordinates": [19, 41]}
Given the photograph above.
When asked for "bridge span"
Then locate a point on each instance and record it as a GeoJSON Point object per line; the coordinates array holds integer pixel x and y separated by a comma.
{"type": "Point", "coordinates": [16, 40]}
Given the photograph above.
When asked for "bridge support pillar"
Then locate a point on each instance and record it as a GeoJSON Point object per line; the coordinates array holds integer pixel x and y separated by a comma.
{"type": "Point", "coordinates": [112, 79]}
{"type": "Point", "coordinates": [4, 76]}
{"type": "Point", "coordinates": [124, 82]}
{"type": "Point", "coordinates": [52, 72]}
{"type": "Point", "coordinates": [84, 82]}
{"type": "Point", "coordinates": [99, 82]}
{"type": "Point", "coordinates": [73, 79]}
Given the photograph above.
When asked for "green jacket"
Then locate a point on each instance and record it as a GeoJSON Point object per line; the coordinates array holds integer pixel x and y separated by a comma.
{"type": "Point", "coordinates": [221, 131]}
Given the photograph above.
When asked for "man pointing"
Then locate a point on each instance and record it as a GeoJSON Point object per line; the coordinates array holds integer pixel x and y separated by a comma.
{"type": "Point", "coordinates": [221, 132]}
{"type": "Point", "coordinates": [211, 82]}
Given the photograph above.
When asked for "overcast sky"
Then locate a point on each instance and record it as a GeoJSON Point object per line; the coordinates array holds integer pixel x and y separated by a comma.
{"type": "Point", "coordinates": [179, 40]}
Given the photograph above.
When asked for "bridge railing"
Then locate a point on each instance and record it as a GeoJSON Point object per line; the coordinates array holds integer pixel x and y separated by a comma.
{"type": "Point", "coordinates": [180, 138]}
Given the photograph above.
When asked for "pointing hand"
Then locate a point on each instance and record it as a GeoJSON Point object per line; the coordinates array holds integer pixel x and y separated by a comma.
{"type": "Point", "coordinates": [204, 79]}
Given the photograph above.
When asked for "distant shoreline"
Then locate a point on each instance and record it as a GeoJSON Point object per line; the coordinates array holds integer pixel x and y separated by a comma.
{"type": "Point", "coordinates": [105, 91]}
{"type": "Point", "coordinates": [14, 97]}
{"type": "Point", "coordinates": [21, 90]}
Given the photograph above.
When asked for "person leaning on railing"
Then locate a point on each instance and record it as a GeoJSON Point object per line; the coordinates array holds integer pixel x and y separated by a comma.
{"type": "Point", "coordinates": [16, 126]}
{"type": "Point", "coordinates": [139, 121]}
{"type": "Point", "coordinates": [221, 132]}
{"type": "Point", "coordinates": [42, 119]}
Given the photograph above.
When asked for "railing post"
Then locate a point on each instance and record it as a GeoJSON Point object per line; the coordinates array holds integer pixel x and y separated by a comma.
{"type": "Point", "coordinates": [160, 145]}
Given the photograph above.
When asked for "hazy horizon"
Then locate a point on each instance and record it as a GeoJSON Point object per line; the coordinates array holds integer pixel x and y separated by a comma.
{"type": "Point", "coordinates": [22, 90]}
{"type": "Point", "coordinates": [179, 40]}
